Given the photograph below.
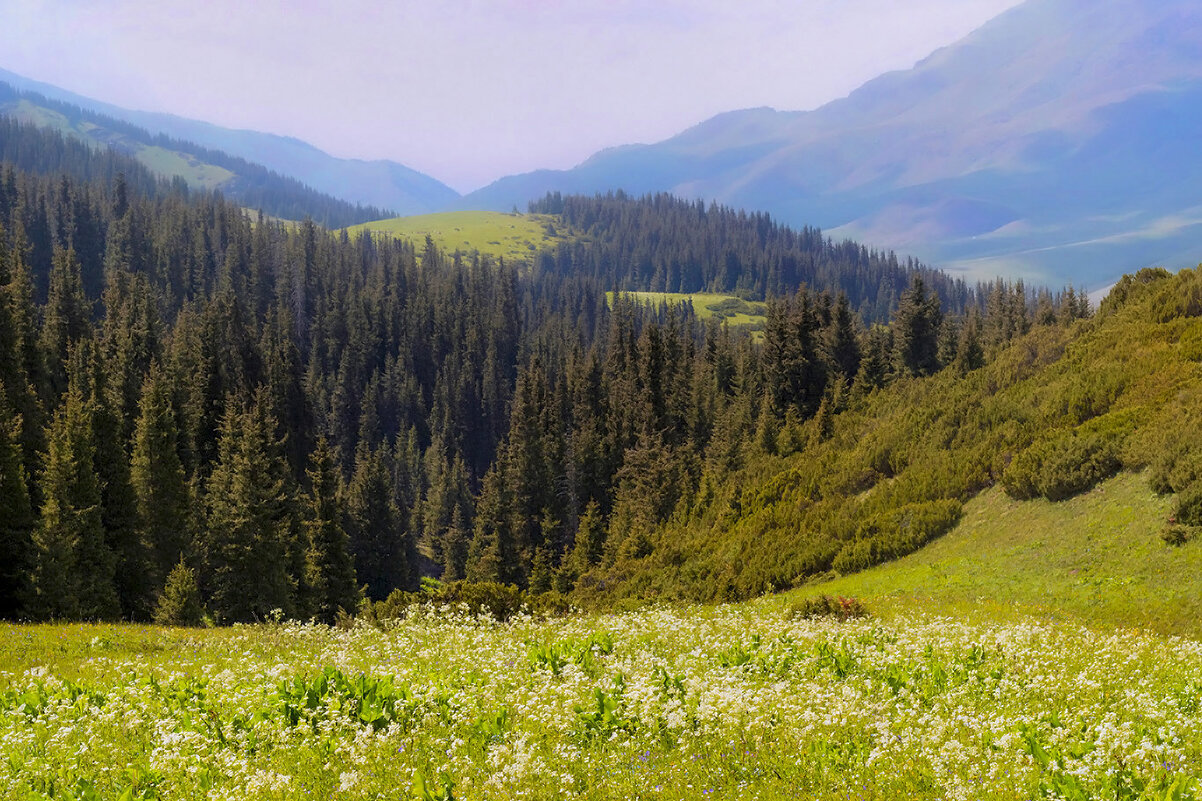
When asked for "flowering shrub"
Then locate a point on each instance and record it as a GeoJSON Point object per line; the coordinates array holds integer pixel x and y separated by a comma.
{"type": "Point", "coordinates": [737, 702]}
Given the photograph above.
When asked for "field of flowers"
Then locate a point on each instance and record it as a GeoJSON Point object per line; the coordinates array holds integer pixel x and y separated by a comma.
{"type": "Point", "coordinates": [737, 702]}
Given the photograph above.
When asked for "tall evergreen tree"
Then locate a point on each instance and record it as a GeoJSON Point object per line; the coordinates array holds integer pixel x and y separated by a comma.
{"type": "Point", "coordinates": [74, 569]}
{"type": "Point", "coordinates": [249, 521]}
{"type": "Point", "coordinates": [916, 329]}
{"type": "Point", "coordinates": [157, 474]}
{"type": "Point", "coordinates": [329, 581]}
{"type": "Point", "coordinates": [16, 519]}
{"type": "Point", "coordinates": [382, 549]}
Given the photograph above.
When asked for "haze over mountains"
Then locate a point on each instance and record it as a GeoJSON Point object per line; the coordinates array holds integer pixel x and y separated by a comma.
{"type": "Point", "coordinates": [385, 184]}
{"type": "Point", "coordinates": [1057, 141]}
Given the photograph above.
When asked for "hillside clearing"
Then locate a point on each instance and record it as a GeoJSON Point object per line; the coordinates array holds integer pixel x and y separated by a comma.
{"type": "Point", "coordinates": [507, 236]}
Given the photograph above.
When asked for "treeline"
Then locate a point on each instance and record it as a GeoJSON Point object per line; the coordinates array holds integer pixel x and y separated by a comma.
{"type": "Point", "coordinates": [201, 408]}
{"type": "Point", "coordinates": [27, 147]}
{"type": "Point", "coordinates": [664, 244]}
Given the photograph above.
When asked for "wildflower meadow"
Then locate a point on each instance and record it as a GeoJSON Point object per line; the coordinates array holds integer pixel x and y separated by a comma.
{"type": "Point", "coordinates": [733, 702]}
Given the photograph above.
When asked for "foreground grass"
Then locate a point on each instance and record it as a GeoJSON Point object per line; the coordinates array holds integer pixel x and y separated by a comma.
{"type": "Point", "coordinates": [1097, 558]}
{"type": "Point", "coordinates": [738, 702]}
{"type": "Point", "coordinates": [507, 236]}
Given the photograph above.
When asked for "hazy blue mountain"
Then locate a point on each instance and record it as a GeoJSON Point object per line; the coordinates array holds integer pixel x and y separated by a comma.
{"type": "Point", "coordinates": [1057, 141]}
{"type": "Point", "coordinates": [385, 184]}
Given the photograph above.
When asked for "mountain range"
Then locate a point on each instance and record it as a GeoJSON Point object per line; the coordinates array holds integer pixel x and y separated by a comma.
{"type": "Point", "coordinates": [1057, 141]}
{"type": "Point", "coordinates": [384, 184]}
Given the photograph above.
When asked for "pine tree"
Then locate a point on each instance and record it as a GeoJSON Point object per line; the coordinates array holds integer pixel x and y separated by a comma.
{"type": "Point", "coordinates": [179, 604]}
{"type": "Point", "coordinates": [916, 329]}
{"type": "Point", "coordinates": [493, 554]}
{"type": "Point", "coordinates": [329, 582]}
{"type": "Point", "coordinates": [74, 568]}
{"type": "Point", "coordinates": [67, 318]}
{"type": "Point", "coordinates": [16, 519]}
{"type": "Point", "coordinates": [157, 474]}
{"type": "Point", "coordinates": [843, 341]}
{"type": "Point", "coordinates": [382, 549]}
{"type": "Point", "coordinates": [249, 521]}
{"type": "Point", "coordinates": [119, 505]}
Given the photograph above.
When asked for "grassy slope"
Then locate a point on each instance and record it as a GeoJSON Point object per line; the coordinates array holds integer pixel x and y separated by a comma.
{"type": "Point", "coordinates": [168, 163]}
{"type": "Point", "coordinates": [508, 236]}
{"type": "Point", "coordinates": [1097, 557]}
{"type": "Point", "coordinates": [707, 305]}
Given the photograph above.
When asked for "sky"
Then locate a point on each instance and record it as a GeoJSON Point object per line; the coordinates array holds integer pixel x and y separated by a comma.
{"type": "Point", "coordinates": [470, 90]}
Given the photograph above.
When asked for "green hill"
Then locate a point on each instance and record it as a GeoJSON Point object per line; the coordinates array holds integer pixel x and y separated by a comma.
{"type": "Point", "coordinates": [507, 236]}
{"type": "Point", "coordinates": [884, 472]}
{"type": "Point", "coordinates": [200, 168]}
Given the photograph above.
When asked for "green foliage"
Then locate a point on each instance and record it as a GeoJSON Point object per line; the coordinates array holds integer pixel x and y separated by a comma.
{"type": "Point", "coordinates": [372, 701]}
{"type": "Point", "coordinates": [329, 585]}
{"type": "Point", "coordinates": [179, 603]}
{"type": "Point", "coordinates": [895, 533]}
{"type": "Point", "coordinates": [1063, 466]}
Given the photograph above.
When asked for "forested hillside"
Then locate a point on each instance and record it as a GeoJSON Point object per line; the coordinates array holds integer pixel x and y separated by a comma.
{"type": "Point", "coordinates": [26, 116]}
{"type": "Point", "coordinates": [259, 417]}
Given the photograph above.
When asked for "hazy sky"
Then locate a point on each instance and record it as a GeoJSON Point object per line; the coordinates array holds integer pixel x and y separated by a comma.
{"type": "Point", "coordinates": [470, 90]}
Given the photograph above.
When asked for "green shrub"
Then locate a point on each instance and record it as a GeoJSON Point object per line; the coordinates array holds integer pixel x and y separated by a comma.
{"type": "Point", "coordinates": [1189, 506]}
{"type": "Point", "coordinates": [179, 605]}
{"type": "Point", "coordinates": [895, 533]}
{"type": "Point", "coordinates": [1076, 465]}
{"type": "Point", "coordinates": [1177, 534]}
{"type": "Point", "coordinates": [1063, 466]}
{"type": "Point", "coordinates": [501, 601]}
{"type": "Point", "coordinates": [828, 606]}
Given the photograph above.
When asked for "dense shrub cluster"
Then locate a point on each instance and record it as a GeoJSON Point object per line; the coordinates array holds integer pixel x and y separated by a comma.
{"type": "Point", "coordinates": [1062, 466]}
{"type": "Point", "coordinates": [896, 533]}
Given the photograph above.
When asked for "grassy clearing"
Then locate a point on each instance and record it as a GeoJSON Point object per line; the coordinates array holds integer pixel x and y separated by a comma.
{"type": "Point", "coordinates": [172, 164]}
{"type": "Point", "coordinates": [1097, 557]}
{"type": "Point", "coordinates": [507, 236]}
{"type": "Point", "coordinates": [737, 702]}
{"type": "Point", "coordinates": [164, 162]}
{"type": "Point", "coordinates": [734, 310]}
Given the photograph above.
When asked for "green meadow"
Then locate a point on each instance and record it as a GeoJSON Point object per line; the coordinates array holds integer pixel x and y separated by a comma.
{"type": "Point", "coordinates": [500, 235]}
{"type": "Point", "coordinates": [734, 310]}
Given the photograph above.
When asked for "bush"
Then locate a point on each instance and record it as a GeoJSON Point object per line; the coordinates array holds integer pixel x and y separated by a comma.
{"type": "Point", "coordinates": [501, 601]}
{"type": "Point", "coordinates": [1177, 534]}
{"type": "Point", "coordinates": [1063, 466]}
{"type": "Point", "coordinates": [1079, 464]}
{"type": "Point", "coordinates": [828, 606]}
{"type": "Point", "coordinates": [1189, 505]}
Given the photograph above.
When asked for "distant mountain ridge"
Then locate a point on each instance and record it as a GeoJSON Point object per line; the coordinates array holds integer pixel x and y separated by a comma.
{"type": "Point", "coordinates": [385, 184]}
{"type": "Point", "coordinates": [1055, 142]}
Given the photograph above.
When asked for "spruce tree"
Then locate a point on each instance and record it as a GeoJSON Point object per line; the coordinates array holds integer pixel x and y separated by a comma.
{"type": "Point", "coordinates": [179, 604]}
{"type": "Point", "coordinates": [916, 330]}
{"type": "Point", "coordinates": [382, 549]}
{"type": "Point", "coordinates": [16, 519]}
{"type": "Point", "coordinates": [329, 582]}
{"type": "Point", "coordinates": [249, 511]}
{"type": "Point", "coordinates": [74, 567]}
{"type": "Point", "coordinates": [157, 474]}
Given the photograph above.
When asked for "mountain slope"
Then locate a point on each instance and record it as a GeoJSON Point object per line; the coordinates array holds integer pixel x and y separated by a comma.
{"type": "Point", "coordinates": [385, 184]}
{"type": "Point", "coordinates": [1053, 141]}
